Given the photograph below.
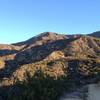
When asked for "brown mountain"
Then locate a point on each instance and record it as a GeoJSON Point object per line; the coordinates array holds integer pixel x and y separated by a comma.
{"type": "Point", "coordinates": [51, 46]}
{"type": "Point", "coordinates": [53, 54]}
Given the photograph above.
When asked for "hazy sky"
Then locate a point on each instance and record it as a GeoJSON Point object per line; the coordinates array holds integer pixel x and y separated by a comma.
{"type": "Point", "coordinates": [22, 19]}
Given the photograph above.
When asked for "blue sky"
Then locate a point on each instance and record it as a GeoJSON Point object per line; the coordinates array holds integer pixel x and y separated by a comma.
{"type": "Point", "coordinates": [22, 19]}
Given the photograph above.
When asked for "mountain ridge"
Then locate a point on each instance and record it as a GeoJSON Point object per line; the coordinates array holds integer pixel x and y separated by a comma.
{"type": "Point", "coordinates": [72, 58]}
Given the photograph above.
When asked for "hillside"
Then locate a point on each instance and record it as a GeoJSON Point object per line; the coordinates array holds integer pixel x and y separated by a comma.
{"type": "Point", "coordinates": [95, 34]}
{"type": "Point", "coordinates": [62, 61]}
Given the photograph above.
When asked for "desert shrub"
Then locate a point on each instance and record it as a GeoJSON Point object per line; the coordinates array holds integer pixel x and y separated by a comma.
{"type": "Point", "coordinates": [40, 87]}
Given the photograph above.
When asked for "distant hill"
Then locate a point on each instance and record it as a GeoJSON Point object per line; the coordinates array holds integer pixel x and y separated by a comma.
{"type": "Point", "coordinates": [95, 34]}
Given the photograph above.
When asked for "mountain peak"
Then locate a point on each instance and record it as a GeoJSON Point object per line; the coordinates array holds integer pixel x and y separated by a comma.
{"type": "Point", "coordinates": [48, 34]}
{"type": "Point", "coordinates": [45, 36]}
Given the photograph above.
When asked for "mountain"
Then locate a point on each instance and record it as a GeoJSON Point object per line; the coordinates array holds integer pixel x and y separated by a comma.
{"type": "Point", "coordinates": [58, 60]}
{"type": "Point", "coordinates": [95, 34]}
{"type": "Point", "coordinates": [43, 37]}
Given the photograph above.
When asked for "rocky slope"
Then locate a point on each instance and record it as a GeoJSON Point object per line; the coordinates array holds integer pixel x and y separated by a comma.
{"type": "Point", "coordinates": [75, 57]}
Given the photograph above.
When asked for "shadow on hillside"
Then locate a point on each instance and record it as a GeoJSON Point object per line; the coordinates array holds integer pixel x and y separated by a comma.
{"type": "Point", "coordinates": [7, 52]}
{"type": "Point", "coordinates": [10, 67]}
{"type": "Point", "coordinates": [40, 52]}
{"type": "Point", "coordinates": [32, 55]}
